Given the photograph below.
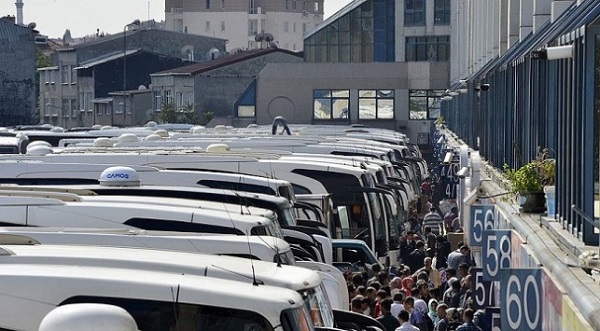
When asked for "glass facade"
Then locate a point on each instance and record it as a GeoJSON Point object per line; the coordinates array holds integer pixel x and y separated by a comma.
{"type": "Point", "coordinates": [442, 12]}
{"type": "Point", "coordinates": [414, 13]}
{"type": "Point", "coordinates": [424, 104]}
{"type": "Point", "coordinates": [433, 49]}
{"type": "Point", "coordinates": [376, 104]}
{"type": "Point", "coordinates": [331, 104]}
{"type": "Point", "coordinates": [364, 34]}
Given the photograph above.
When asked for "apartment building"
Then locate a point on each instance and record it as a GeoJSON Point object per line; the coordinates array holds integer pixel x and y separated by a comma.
{"type": "Point", "coordinates": [17, 73]}
{"type": "Point", "coordinates": [247, 24]}
{"type": "Point", "coordinates": [77, 90]}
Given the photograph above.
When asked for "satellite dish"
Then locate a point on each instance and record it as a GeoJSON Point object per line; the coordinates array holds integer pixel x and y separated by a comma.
{"type": "Point", "coordinates": [268, 37]}
{"type": "Point", "coordinates": [259, 37]}
{"type": "Point", "coordinates": [142, 87]}
{"type": "Point", "coordinates": [32, 25]}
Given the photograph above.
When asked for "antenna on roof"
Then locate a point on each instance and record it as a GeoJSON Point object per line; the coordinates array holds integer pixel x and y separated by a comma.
{"type": "Point", "coordinates": [175, 297]}
{"type": "Point", "coordinates": [254, 282]}
{"type": "Point", "coordinates": [275, 249]}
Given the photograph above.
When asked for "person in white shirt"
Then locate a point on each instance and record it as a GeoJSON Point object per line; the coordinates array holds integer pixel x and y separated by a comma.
{"type": "Point", "coordinates": [398, 304]}
{"type": "Point", "coordinates": [405, 325]}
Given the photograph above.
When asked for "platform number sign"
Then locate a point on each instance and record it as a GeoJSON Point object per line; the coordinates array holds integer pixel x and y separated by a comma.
{"type": "Point", "coordinates": [493, 316]}
{"type": "Point", "coordinates": [482, 218]}
{"type": "Point", "coordinates": [451, 183]}
{"type": "Point", "coordinates": [495, 252]}
{"type": "Point", "coordinates": [483, 292]}
{"type": "Point", "coordinates": [521, 299]}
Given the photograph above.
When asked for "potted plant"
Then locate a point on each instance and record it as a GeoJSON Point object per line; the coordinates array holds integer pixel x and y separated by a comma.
{"type": "Point", "coordinates": [529, 180]}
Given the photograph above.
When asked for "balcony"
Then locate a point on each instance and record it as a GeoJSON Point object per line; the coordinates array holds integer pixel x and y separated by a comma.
{"type": "Point", "coordinates": [256, 12]}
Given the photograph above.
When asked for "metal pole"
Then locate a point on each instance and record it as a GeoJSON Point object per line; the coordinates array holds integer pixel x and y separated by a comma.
{"type": "Point", "coordinates": [136, 22]}
{"type": "Point", "coordinates": [124, 72]}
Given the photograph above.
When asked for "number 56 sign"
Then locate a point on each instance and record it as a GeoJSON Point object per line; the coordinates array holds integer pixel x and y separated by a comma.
{"type": "Point", "coordinates": [481, 218]}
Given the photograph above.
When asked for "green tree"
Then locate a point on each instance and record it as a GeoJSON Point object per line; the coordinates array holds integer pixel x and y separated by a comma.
{"type": "Point", "coordinates": [168, 113]}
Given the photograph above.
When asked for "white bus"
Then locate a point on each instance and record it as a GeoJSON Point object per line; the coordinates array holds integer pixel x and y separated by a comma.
{"type": "Point", "coordinates": [156, 300]}
{"type": "Point", "coordinates": [49, 209]}
{"type": "Point", "coordinates": [263, 248]}
{"type": "Point", "coordinates": [302, 280]}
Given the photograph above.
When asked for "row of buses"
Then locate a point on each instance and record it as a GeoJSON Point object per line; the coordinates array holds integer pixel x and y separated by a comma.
{"type": "Point", "coordinates": [189, 228]}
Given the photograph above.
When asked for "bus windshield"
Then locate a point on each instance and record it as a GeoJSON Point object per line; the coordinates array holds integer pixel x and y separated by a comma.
{"type": "Point", "coordinates": [377, 214]}
{"type": "Point", "coordinates": [317, 303]}
{"type": "Point", "coordinates": [296, 319]}
{"type": "Point", "coordinates": [270, 229]}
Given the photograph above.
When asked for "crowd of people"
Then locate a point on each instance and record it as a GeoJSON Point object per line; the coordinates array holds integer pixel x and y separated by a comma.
{"type": "Point", "coordinates": [431, 290]}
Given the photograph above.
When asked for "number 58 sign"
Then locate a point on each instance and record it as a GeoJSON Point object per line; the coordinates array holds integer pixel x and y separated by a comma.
{"type": "Point", "coordinates": [482, 218]}
{"type": "Point", "coordinates": [521, 299]}
{"type": "Point", "coordinates": [496, 250]}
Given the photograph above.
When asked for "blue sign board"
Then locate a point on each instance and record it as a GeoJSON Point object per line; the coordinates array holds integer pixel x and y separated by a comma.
{"type": "Point", "coordinates": [481, 218]}
{"type": "Point", "coordinates": [521, 299]}
{"type": "Point", "coordinates": [495, 252]}
{"type": "Point", "coordinates": [483, 292]}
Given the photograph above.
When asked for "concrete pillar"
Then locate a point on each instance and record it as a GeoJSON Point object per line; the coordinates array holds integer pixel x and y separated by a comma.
{"type": "Point", "coordinates": [526, 23]}
{"type": "Point", "coordinates": [559, 7]}
{"type": "Point", "coordinates": [429, 16]}
{"type": "Point", "coordinates": [503, 26]}
{"type": "Point", "coordinates": [513, 22]}
{"type": "Point", "coordinates": [494, 34]}
{"type": "Point", "coordinates": [542, 10]}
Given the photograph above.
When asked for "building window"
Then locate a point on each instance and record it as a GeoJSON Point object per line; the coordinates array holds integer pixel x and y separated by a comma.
{"type": "Point", "coordinates": [207, 4]}
{"type": "Point", "coordinates": [294, 4]}
{"type": "Point", "coordinates": [53, 75]}
{"type": "Point", "coordinates": [442, 12]}
{"type": "Point", "coordinates": [46, 107]}
{"type": "Point", "coordinates": [65, 107]}
{"type": "Point", "coordinates": [73, 75]}
{"type": "Point", "coordinates": [294, 27]}
{"type": "Point", "coordinates": [64, 78]}
{"type": "Point", "coordinates": [184, 101]}
{"type": "Point", "coordinates": [99, 109]}
{"type": "Point", "coordinates": [376, 104]}
{"type": "Point", "coordinates": [316, 7]}
{"type": "Point", "coordinates": [107, 109]}
{"type": "Point", "coordinates": [246, 111]}
{"type": "Point", "coordinates": [414, 12]}
{"type": "Point", "coordinates": [424, 104]}
{"type": "Point", "coordinates": [304, 28]}
{"type": "Point", "coordinates": [207, 28]}
{"type": "Point", "coordinates": [74, 110]}
{"type": "Point", "coordinates": [88, 101]}
{"type": "Point", "coordinates": [331, 104]}
{"type": "Point", "coordinates": [252, 27]}
{"type": "Point", "coordinates": [305, 6]}
{"type": "Point", "coordinates": [168, 97]}
{"type": "Point", "coordinates": [82, 101]}
{"type": "Point", "coordinates": [286, 27]}
{"type": "Point", "coordinates": [222, 4]}
{"type": "Point", "coordinates": [433, 49]}
{"type": "Point", "coordinates": [222, 26]}
{"type": "Point", "coordinates": [287, 4]}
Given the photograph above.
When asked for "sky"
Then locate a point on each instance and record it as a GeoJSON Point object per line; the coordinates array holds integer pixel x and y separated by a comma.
{"type": "Point", "coordinates": [83, 17]}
